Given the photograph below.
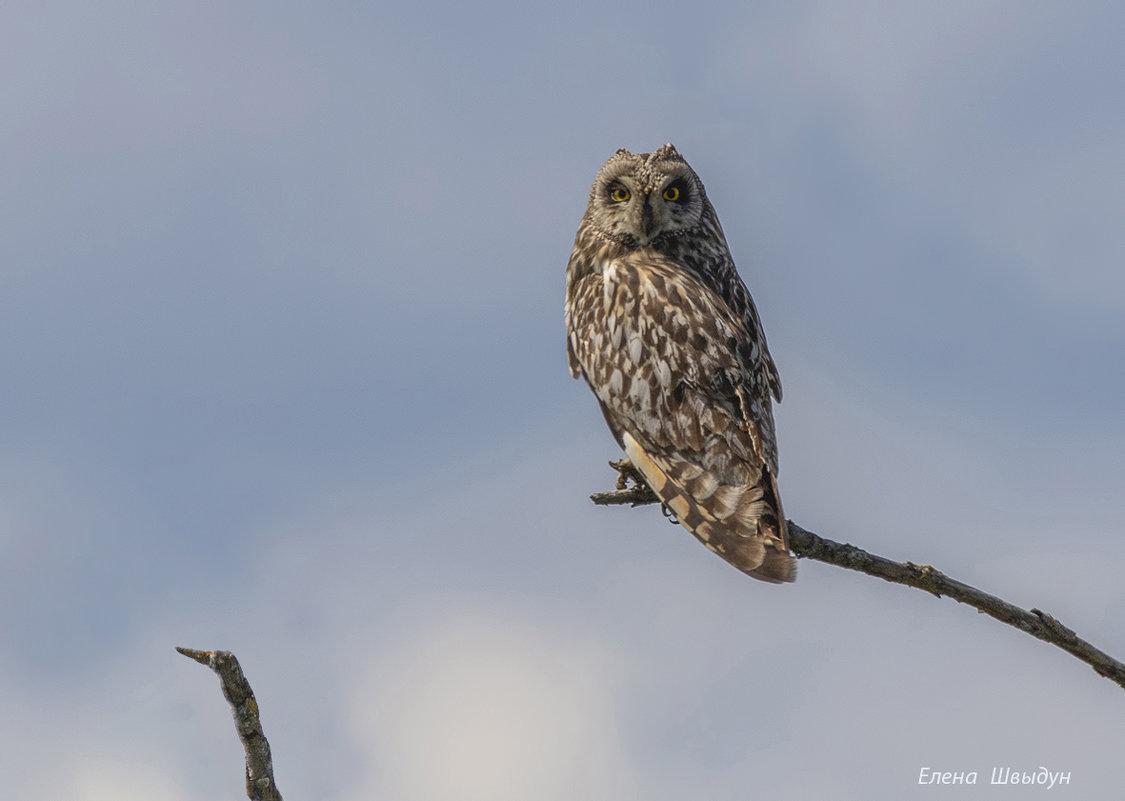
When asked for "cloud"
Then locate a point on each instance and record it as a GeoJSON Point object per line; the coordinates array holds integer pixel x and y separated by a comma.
{"type": "Point", "coordinates": [91, 779]}
{"type": "Point", "coordinates": [483, 706]}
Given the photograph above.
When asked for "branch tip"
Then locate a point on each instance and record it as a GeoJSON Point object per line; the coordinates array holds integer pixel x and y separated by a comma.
{"type": "Point", "coordinates": [260, 785]}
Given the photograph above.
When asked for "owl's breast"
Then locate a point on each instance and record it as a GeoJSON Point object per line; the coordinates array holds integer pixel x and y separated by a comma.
{"type": "Point", "coordinates": [652, 354]}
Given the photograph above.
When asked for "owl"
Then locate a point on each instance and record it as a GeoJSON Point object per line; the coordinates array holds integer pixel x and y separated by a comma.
{"type": "Point", "coordinates": [665, 333]}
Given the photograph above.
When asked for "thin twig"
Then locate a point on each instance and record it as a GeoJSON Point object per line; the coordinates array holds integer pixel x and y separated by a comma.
{"type": "Point", "coordinates": [260, 785]}
{"type": "Point", "coordinates": [632, 490]}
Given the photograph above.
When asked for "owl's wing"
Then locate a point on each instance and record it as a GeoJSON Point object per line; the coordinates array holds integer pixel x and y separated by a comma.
{"type": "Point", "coordinates": [743, 306]}
{"type": "Point", "coordinates": [572, 360]}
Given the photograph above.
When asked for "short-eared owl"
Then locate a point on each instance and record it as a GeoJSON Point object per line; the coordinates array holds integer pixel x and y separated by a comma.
{"type": "Point", "coordinates": [665, 333]}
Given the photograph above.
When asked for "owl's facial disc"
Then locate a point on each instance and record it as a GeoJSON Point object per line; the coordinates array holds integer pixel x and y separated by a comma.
{"type": "Point", "coordinates": [636, 200]}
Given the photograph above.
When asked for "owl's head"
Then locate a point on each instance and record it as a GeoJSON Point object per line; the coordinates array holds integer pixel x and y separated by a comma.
{"type": "Point", "coordinates": [639, 198]}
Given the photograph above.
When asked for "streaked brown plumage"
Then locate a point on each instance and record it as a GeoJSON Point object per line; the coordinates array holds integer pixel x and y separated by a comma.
{"type": "Point", "coordinates": [665, 333]}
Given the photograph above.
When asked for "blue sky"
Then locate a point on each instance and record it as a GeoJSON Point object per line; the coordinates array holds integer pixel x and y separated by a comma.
{"type": "Point", "coordinates": [282, 344]}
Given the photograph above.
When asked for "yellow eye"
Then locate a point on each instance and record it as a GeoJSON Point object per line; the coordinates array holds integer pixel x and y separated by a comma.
{"type": "Point", "coordinates": [672, 193]}
{"type": "Point", "coordinates": [620, 194]}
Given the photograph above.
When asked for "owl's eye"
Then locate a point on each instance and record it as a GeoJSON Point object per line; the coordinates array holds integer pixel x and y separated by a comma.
{"type": "Point", "coordinates": [620, 194]}
{"type": "Point", "coordinates": [672, 193]}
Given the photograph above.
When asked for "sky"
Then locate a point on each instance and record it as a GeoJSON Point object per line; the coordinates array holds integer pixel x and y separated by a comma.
{"type": "Point", "coordinates": [284, 373]}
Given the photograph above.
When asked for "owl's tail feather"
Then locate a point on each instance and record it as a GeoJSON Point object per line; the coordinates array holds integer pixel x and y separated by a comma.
{"type": "Point", "coordinates": [742, 523]}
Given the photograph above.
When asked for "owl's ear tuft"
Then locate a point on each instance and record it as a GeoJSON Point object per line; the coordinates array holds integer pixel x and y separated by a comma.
{"type": "Point", "coordinates": [621, 151]}
{"type": "Point", "coordinates": [667, 151]}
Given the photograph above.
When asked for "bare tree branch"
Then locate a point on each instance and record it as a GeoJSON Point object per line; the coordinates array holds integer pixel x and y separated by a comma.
{"type": "Point", "coordinates": [632, 490]}
{"type": "Point", "coordinates": [260, 785]}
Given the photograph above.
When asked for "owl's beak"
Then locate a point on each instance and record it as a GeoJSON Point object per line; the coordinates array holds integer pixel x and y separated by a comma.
{"type": "Point", "coordinates": [646, 218]}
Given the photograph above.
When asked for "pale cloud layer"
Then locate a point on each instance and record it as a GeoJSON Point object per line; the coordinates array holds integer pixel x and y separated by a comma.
{"type": "Point", "coordinates": [480, 707]}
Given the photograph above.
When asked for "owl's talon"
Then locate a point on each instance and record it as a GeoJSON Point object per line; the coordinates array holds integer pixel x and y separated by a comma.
{"type": "Point", "coordinates": [668, 513]}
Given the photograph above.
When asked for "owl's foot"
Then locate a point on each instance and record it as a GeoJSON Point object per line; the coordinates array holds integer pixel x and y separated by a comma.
{"type": "Point", "coordinates": [628, 476]}
{"type": "Point", "coordinates": [631, 487]}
